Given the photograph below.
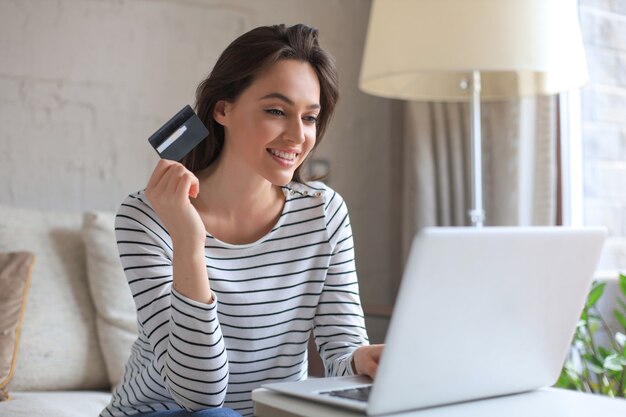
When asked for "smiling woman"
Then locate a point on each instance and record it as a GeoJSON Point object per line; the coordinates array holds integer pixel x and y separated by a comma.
{"type": "Point", "coordinates": [233, 259]}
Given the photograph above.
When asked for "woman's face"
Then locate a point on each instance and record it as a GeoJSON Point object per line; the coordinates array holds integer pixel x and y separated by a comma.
{"type": "Point", "coordinates": [271, 127]}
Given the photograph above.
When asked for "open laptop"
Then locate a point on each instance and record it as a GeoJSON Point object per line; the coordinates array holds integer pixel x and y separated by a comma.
{"type": "Point", "coordinates": [481, 312]}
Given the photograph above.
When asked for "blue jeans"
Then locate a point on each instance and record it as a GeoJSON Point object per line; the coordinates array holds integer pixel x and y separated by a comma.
{"type": "Point", "coordinates": [209, 412]}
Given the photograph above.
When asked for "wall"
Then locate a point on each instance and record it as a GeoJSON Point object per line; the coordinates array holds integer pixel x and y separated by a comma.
{"type": "Point", "coordinates": [84, 83]}
{"type": "Point", "coordinates": [603, 24]}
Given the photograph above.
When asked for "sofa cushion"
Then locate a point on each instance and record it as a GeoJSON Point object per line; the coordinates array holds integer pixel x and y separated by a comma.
{"type": "Point", "coordinates": [55, 404]}
{"type": "Point", "coordinates": [15, 272]}
{"type": "Point", "coordinates": [116, 317]}
{"type": "Point", "coordinates": [58, 346]}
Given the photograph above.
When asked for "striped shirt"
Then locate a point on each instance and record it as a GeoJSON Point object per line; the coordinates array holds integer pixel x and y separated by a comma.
{"type": "Point", "coordinates": [268, 296]}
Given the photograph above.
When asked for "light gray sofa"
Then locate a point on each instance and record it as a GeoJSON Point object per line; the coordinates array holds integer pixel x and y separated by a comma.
{"type": "Point", "coordinates": [79, 320]}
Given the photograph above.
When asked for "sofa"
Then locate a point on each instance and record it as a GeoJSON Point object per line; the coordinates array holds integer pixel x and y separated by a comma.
{"type": "Point", "coordinates": [73, 318]}
{"type": "Point", "coordinates": [69, 343]}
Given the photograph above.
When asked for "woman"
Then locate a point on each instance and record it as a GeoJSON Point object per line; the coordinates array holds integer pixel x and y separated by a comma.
{"type": "Point", "coordinates": [232, 259]}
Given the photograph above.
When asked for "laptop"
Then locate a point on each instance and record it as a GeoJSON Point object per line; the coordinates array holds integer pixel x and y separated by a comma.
{"type": "Point", "coordinates": [481, 312]}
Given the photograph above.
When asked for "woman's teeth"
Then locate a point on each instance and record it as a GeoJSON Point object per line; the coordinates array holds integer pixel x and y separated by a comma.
{"type": "Point", "coordinates": [290, 156]}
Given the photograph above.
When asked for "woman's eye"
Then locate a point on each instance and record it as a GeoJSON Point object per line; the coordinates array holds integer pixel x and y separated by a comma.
{"type": "Point", "coordinates": [311, 119]}
{"type": "Point", "coordinates": [275, 112]}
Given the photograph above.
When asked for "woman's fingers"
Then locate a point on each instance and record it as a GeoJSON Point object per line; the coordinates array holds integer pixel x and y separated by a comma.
{"type": "Point", "coordinates": [377, 351]}
{"type": "Point", "coordinates": [159, 171]}
{"type": "Point", "coordinates": [188, 186]}
{"type": "Point", "coordinates": [182, 183]}
{"type": "Point", "coordinates": [367, 358]}
{"type": "Point", "coordinates": [172, 178]}
{"type": "Point", "coordinates": [194, 189]}
{"type": "Point", "coordinates": [169, 177]}
{"type": "Point", "coordinates": [372, 364]}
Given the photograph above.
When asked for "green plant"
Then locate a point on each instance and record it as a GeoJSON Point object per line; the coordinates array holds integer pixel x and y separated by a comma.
{"type": "Point", "coordinates": [597, 359]}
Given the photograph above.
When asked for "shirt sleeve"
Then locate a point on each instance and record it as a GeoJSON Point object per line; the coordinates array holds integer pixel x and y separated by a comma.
{"type": "Point", "coordinates": [184, 335]}
{"type": "Point", "coordinates": [339, 327]}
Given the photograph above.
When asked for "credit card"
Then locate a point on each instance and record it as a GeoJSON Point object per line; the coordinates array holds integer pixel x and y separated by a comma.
{"type": "Point", "coordinates": [179, 135]}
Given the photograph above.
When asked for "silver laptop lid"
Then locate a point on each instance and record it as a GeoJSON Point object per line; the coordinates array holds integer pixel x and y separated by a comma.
{"type": "Point", "coordinates": [484, 312]}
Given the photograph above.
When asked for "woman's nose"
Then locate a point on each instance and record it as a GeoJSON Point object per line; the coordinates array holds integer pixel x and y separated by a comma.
{"type": "Point", "coordinates": [295, 131]}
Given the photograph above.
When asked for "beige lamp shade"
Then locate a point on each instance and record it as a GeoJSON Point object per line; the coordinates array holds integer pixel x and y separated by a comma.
{"type": "Point", "coordinates": [422, 49]}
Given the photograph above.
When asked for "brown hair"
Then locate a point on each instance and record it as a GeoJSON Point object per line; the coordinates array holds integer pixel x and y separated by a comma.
{"type": "Point", "coordinates": [236, 69]}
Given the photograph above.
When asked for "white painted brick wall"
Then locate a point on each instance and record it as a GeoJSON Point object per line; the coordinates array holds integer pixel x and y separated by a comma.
{"type": "Point", "coordinates": [603, 23]}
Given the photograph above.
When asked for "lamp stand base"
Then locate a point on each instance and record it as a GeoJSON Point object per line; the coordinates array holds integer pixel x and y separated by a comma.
{"type": "Point", "coordinates": [477, 217]}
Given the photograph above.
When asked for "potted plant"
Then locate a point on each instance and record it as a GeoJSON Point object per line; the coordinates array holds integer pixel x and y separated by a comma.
{"type": "Point", "coordinates": [597, 359]}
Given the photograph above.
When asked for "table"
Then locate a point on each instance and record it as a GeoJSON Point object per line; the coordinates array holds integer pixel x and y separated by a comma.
{"type": "Point", "coordinates": [546, 402]}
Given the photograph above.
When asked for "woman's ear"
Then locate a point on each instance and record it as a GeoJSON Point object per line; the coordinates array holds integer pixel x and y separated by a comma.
{"type": "Point", "coordinates": [219, 112]}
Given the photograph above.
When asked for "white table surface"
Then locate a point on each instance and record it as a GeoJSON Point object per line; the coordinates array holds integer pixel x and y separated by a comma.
{"type": "Point", "coordinates": [546, 402]}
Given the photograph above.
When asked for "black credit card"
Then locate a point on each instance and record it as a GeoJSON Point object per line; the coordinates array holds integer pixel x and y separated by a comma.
{"type": "Point", "coordinates": [179, 135]}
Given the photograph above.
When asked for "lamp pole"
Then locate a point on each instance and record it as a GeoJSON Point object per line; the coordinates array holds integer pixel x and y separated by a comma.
{"type": "Point", "coordinates": [476, 212]}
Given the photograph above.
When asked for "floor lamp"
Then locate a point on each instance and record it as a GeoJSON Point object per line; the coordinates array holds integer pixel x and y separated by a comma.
{"type": "Point", "coordinates": [460, 50]}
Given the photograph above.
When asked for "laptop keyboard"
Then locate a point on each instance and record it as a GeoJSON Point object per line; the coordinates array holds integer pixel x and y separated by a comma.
{"type": "Point", "coordinates": [358, 394]}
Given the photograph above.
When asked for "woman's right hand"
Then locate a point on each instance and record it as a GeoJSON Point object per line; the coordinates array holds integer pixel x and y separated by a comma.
{"type": "Point", "coordinates": [169, 189]}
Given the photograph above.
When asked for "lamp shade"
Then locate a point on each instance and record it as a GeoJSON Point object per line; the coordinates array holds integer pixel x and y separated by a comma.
{"type": "Point", "coordinates": [422, 49]}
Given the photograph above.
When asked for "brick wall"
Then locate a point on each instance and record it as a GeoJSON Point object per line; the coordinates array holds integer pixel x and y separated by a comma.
{"type": "Point", "coordinates": [603, 24]}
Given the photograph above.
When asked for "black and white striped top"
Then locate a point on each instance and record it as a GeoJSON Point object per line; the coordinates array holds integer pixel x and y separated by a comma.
{"type": "Point", "coordinates": [269, 296]}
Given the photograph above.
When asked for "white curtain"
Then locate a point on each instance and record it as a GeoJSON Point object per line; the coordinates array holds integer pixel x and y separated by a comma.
{"type": "Point", "coordinates": [519, 164]}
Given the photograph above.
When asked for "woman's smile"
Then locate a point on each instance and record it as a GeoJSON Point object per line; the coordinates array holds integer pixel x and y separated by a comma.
{"type": "Point", "coordinates": [287, 158]}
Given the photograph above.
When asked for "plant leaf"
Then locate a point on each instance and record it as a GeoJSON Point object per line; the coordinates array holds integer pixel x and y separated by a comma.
{"type": "Point", "coordinates": [565, 381]}
{"type": "Point", "coordinates": [603, 352]}
{"type": "Point", "coordinates": [622, 283]}
{"type": "Point", "coordinates": [620, 317]}
{"type": "Point", "coordinates": [613, 362]}
{"type": "Point", "coordinates": [620, 338]}
{"type": "Point", "coordinates": [594, 326]}
{"type": "Point", "coordinates": [595, 294]}
{"type": "Point", "coordinates": [583, 316]}
{"type": "Point", "coordinates": [594, 364]}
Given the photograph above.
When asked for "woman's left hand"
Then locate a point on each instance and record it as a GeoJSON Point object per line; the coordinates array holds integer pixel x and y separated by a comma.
{"type": "Point", "coordinates": [366, 360]}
